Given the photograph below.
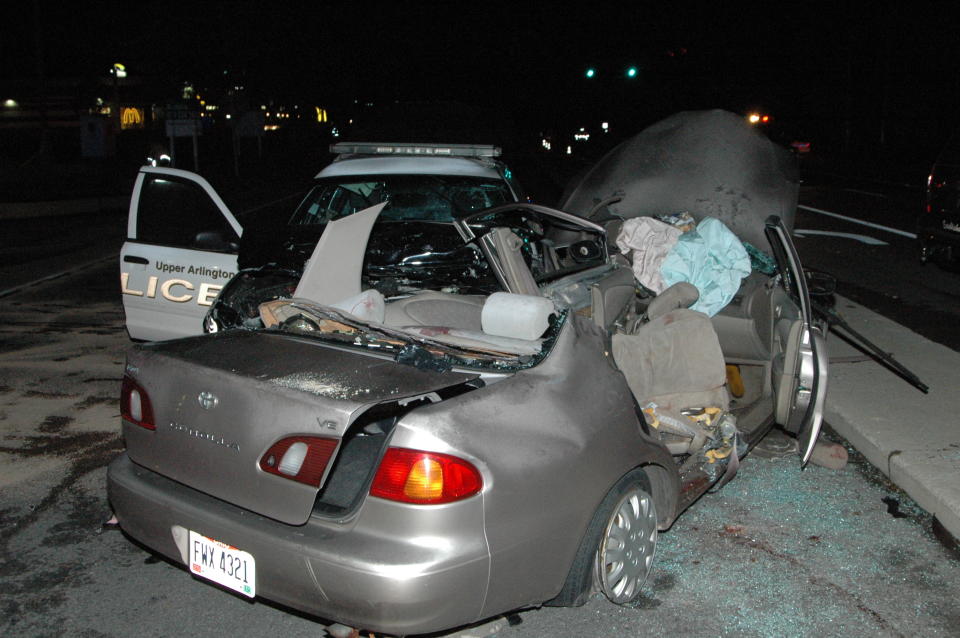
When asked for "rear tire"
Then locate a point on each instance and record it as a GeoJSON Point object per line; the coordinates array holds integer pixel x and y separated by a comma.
{"type": "Point", "coordinates": [628, 546]}
{"type": "Point", "coordinates": [594, 565]}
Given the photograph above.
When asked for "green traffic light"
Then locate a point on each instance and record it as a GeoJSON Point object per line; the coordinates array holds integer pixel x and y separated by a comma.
{"type": "Point", "coordinates": [632, 72]}
{"type": "Point", "coordinates": [591, 72]}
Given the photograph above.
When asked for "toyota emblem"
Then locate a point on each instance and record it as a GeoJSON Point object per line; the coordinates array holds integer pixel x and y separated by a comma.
{"type": "Point", "coordinates": [208, 400]}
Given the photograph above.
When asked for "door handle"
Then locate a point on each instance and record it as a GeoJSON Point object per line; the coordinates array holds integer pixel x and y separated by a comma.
{"type": "Point", "coordinates": [133, 259]}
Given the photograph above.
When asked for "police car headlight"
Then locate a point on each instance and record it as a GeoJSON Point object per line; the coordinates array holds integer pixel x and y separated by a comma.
{"type": "Point", "coordinates": [209, 324]}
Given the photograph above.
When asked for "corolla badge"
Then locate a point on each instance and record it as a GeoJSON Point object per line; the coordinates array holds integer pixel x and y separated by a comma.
{"type": "Point", "coordinates": [208, 400]}
{"type": "Point", "coordinates": [203, 436]}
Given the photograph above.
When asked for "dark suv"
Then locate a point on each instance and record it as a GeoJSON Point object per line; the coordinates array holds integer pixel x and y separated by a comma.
{"type": "Point", "coordinates": [938, 228]}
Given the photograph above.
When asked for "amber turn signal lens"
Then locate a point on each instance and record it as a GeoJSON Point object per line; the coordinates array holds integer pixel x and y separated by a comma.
{"type": "Point", "coordinates": [425, 478]}
{"type": "Point", "coordinates": [425, 481]}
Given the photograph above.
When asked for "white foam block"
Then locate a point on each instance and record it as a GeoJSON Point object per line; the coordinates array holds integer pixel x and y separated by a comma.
{"type": "Point", "coordinates": [507, 314]}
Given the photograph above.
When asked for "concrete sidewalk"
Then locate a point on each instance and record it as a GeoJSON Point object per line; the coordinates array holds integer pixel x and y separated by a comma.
{"type": "Point", "coordinates": [911, 437]}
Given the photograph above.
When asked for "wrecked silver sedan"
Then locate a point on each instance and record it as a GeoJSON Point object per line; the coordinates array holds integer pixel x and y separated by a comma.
{"type": "Point", "coordinates": [416, 460]}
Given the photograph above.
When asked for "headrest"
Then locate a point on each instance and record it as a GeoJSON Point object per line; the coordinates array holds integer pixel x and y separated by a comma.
{"type": "Point", "coordinates": [680, 295]}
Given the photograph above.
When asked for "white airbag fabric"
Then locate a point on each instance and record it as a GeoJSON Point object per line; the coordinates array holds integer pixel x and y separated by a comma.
{"type": "Point", "coordinates": [650, 240]}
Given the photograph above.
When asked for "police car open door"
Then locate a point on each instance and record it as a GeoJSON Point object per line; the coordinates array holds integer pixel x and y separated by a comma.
{"type": "Point", "coordinates": [181, 249]}
{"type": "Point", "coordinates": [800, 366]}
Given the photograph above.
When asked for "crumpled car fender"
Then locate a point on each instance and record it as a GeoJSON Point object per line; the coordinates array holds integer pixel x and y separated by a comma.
{"type": "Point", "coordinates": [563, 432]}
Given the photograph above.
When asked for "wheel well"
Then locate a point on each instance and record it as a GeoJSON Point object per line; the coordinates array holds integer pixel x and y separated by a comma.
{"type": "Point", "coordinates": [664, 493]}
{"type": "Point", "coordinates": [577, 587]}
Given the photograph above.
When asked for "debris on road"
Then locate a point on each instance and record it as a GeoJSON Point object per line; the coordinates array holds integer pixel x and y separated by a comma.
{"type": "Point", "coordinates": [832, 456]}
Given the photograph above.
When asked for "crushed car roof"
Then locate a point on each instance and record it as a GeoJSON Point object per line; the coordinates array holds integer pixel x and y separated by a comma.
{"type": "Point", "coordinates": [709, 163]}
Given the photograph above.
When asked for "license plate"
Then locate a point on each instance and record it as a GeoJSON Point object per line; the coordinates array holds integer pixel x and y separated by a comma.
{"type": "Point", "coordinates": [223, 564]}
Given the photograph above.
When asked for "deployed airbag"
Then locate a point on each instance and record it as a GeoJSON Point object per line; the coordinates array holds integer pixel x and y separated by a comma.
{"type": "Point", "coordinates": [648, 241]}
{"type": "Point", "coordinates": [712, 259]}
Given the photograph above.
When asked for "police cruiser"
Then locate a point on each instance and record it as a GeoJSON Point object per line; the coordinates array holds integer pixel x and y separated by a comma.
{"type": "Point", "coordinates": [183, 242]}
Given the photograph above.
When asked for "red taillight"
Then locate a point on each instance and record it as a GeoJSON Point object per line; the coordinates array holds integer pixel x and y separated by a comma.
{"type": "Point", "coordinates": [299, 458]}
{"type": "Point", "coordinates": [426, 478]}
{"type": "Point", "coordinates": [135, 404]}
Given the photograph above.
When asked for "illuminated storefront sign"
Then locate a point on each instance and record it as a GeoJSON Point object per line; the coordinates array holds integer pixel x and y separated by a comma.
{"type": "Point", "coordinates": [131, 117]}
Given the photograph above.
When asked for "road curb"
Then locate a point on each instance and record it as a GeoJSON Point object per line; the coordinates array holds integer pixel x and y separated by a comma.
{"type": "Point", "coordinates": [908, 436]}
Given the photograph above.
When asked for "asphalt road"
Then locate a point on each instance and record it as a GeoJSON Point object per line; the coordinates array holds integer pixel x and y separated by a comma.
{"type": "Point", "coordinates": [40, 247]}
{"type": "Point", "coordinates": [889, 279]}
{"type": "Point", "coordinates": [778, 552]}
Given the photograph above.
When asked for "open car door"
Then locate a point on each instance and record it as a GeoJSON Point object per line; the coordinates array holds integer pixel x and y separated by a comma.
{"type": "Point", "coordinates": [181, 248]}
{"type": "Point", "coordinates": [800, 366]}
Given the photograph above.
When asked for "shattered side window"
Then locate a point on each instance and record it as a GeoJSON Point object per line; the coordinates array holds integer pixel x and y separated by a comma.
{"type": "Point", "coordinates": [173, 211]}
{"type": "Point", "coordinates": [439, 198]}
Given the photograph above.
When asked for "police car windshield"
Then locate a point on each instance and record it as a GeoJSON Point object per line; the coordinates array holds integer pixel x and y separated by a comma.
{"type": "Point", "coordinates": [441, 198]}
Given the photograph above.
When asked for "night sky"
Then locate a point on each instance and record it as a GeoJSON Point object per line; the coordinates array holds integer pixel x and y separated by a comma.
{"type": "Point", "coordinates": [882, 65]}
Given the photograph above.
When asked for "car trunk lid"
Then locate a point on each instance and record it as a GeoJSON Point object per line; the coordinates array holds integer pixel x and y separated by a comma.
{"type": "Point", "coordinates": [219, 404]}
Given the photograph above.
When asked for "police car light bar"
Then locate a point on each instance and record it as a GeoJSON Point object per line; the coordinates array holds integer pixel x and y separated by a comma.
{"type": "Point", "coordinates": [446, 150]}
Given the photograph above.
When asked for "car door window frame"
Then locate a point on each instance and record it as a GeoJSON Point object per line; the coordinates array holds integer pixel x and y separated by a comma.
{"type": "Point", "coordinates": [194, 181]}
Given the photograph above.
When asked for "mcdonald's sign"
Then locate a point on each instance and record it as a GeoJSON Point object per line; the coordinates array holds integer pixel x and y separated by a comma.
{"type": "Point", "coordinates": [131, 117]}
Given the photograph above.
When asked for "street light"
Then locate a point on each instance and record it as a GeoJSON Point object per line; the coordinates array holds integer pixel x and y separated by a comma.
{"type": "Point", "coordinates": [117, 71]}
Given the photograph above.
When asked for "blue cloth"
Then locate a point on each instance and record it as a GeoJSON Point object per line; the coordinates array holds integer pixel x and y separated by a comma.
{"type": "Point", "coordinates": [711, 258]}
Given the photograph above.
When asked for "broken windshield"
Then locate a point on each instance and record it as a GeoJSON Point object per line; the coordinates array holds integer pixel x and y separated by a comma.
{"type": "Point", "coordinates": [441, 198]}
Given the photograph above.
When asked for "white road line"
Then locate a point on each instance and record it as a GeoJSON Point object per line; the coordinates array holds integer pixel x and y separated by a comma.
{"type": "Point", "coordinates": [57, 275]}
{"type": "Point", "coordinates": [860, 192]}
{"type": "Point", "coordinates": [895, 231]}
{"type": "Point", "coordinates": [865, 239]}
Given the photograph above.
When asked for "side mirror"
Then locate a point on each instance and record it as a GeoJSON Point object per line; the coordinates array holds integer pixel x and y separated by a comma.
{"type": "Point", "coordinates": [820, 284]}
{"type": "Point", "coordinates": [214, 240]}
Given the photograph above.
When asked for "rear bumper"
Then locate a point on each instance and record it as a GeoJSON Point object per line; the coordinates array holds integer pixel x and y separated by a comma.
{"type": "Point", "coordinates": [936, 241]}
{"type": "Point", "coordinates": [394, 568]}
